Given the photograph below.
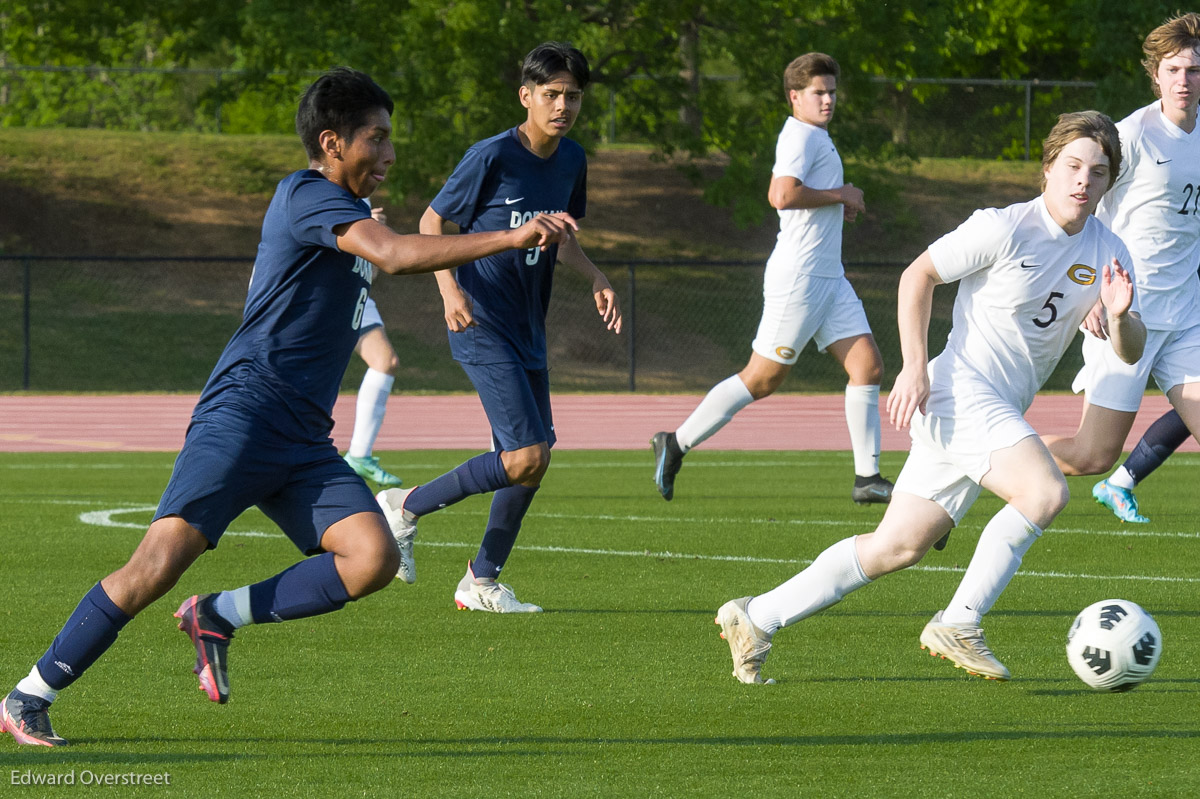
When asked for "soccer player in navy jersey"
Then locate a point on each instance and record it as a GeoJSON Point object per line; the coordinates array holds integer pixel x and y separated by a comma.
{"type": "Point", "coordinates": [495, 310]}
{"type": "Point", "coordinates": [259, 434]}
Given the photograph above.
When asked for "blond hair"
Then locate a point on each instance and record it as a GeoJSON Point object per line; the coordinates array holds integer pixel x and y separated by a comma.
{"type": "Point", "coordinates": [1179, 33]}
{"type": "Point", "coordinates": [1083, 125]}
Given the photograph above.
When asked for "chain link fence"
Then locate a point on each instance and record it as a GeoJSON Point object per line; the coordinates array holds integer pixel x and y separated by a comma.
{"type": "Point", "coordinates": [159, 324]}
{"type": "Point", "coordinates": [924, 117]}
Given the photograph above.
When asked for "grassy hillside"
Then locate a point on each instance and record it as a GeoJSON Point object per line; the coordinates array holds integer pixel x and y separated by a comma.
{"type": "Point", "coordinates": [161, 325]}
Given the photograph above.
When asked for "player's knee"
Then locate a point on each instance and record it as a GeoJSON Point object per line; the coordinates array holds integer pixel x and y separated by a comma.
{"type": "Point", "coordinates": [392, 365]}
{"type": "Point", "coordinates": [1095, 460]}
{"type": "Point", "coordinates": [375, 567]}
{"type": "Point", "coordinates": [1044, 501]}
{"type": "Point", "coordinates": [527, 464]}
{"type": "Point", "coordinates": [760, 385]}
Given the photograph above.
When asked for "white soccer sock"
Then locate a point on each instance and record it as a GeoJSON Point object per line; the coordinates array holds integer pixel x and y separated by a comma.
{"type": "Point", "coordinates": [234, 607]}
{"type": "Point", "coordinates": [862, 417]}
{"type": "Point", "coordinates": [1004, 541]}
{"type": "Point", "coordinates": [369, 411]}
{"type": "Point", "coordinates": [714, 412]}
{"type": "Point", "coordinates": [1121, 478]}
{"type": "Point", "coordinates": [835, 573]}
{"type": "Point", "coordinates": [34, 685]}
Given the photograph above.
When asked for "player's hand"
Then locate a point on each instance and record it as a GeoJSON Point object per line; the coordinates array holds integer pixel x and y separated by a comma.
{"type": "Point", "coordinates": [379, 216]}
{"type": "Point", "coordinates": [1094, 323]}
{"type": "Point", "coordinates": [909, 394]}
{"type": "Point", "coordinates": [459, 310]}
{"type": "Point", "coordinates": [607, 304]}
{"type": "Point", "coordinates": [1116, 289]}
{"type": "Point", "coordinates": [852, 199]}
{"type": "Point", "coordinates": [544, 230]}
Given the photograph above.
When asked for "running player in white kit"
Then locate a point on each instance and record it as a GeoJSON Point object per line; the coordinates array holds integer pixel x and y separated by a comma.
{"type": "Point", "coordinates": [806, 296]}
{"type": "Point", "coordinates": [1154, 207]}
{"type": "Point", "coordinates": [1029, 275]}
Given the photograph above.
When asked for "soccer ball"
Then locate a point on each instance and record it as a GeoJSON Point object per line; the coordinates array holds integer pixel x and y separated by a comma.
{"type": "Point", "coordinates": [1114, 645]}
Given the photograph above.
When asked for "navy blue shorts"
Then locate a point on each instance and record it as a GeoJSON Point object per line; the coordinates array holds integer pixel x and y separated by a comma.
{"type": "Point", "coordinates": [230, 462]}
{"type": "Point", "coordinates": [516, 401]}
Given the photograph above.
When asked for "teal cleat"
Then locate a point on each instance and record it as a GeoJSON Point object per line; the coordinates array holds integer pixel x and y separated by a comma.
{"type": "Point", "coordinates": [1120, 501]}
{"type": "Point", "coordinates": [368, 468]}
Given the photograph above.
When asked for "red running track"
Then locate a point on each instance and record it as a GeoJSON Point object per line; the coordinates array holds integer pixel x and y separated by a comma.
{"type": "Point", "coordinates": [123, 423]}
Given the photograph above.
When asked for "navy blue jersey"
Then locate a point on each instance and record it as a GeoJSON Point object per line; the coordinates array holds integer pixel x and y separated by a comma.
{"type": "Point", "coordinates": [500, 185]}
{"type": "Point", "coordinates": [285, 363]}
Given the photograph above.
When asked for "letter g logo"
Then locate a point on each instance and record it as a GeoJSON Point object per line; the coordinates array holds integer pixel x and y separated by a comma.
{"type": "Point", "coordinates": [1082, 274]}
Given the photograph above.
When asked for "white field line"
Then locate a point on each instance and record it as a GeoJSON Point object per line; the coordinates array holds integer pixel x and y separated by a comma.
{"type": "Point", "coordinates": [104, 518]}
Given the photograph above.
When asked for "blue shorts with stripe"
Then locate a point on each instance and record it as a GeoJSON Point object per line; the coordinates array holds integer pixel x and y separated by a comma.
{"type": "Point", "coordinates": [516, 401]}
{"type": "Point", "coordinates": [231, 461]}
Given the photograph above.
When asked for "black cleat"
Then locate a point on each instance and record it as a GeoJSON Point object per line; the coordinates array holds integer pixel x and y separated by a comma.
{"type": "Point", "coordinates": [667, 460]}
{"type": "Point", "coordinates": [28, 719]}
{"type": "Point", "coordinates": [940, 544]}
{"type": "Point", "coordinates": [211, 636]}
{"type": "Point", "coordinates": [871, 490]}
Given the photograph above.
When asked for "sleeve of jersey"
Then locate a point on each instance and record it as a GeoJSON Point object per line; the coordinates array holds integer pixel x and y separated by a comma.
{"type": "Point", "coordinates": [459, 197]}
{"type": "Point", "coordinates": [577, 205]}
{"type": "Point", "coordinates": [975, 244]}
{"type": "Point", "coordinates": [316, 207]}
{"type": "Point", "coordinates": [1131, 152]}
{"type": "Point", "coordinates": [791, 155]}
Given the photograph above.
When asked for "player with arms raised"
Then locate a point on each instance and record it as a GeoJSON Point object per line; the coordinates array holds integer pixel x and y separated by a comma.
{"type": "Point", "coordinates": [1029, 274]}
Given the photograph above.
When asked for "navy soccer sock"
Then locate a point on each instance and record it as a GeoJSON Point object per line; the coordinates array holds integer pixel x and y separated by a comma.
{"type": "Point", "coordinates": [479, 475]}
{"type": "Point", "coordinates": [309, 588]}
{"type": "Point", "coordinates": [87, 635]}
{"type": "Point", "coordinates": [509, 506]}
{"type": "Point", "coordinates": [1161, 439]}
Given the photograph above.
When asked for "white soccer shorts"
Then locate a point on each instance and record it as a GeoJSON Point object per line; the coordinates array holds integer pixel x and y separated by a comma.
{"type": "Point", "coordinates": [952, 446]}
{"type": "Point", "coordinates": [800, 308]}
{"type": "Point", "coordinates": [1171, 357]}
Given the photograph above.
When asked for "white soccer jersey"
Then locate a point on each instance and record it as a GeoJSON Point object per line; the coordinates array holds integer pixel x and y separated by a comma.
{"type": "Point", "coordinates": [1154, 207]}
{"type": "Point", "coordinates": [810, 239]}
{"type": "Point", "coordinates": [1025, 288]}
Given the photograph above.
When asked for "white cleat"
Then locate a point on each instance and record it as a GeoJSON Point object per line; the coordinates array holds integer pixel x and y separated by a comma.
{"type": "Point", "coordinates": [404, 527]}
{"type": "Point", "coordinates": [964, 646]}
{"type": "Point", "coordinates": [748, 645]}
{"type": "Point", "coordinates": [488, 595]}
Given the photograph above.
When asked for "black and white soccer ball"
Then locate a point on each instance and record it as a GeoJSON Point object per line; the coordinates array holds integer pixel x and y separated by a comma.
{"type": "Point", "coordinates": [1114, 645]}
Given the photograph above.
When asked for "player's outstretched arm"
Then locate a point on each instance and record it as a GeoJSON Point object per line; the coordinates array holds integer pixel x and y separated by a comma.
{"type": "Point", "coordinates": [1126, 332]}
{"type": "Point", "coordinates": [914, 307]}
{"type": "Point", "coordinates": [399, 254]}
{"type": "Point", "coordinates": [607, 304]}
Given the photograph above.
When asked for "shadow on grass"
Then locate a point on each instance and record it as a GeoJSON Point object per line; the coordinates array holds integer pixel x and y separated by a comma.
{"type": "Point", "coordinates": [501, 746]}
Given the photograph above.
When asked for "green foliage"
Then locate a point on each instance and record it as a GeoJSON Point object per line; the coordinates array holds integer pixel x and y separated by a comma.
{"type": "Point", "coordinates": [453, 69]}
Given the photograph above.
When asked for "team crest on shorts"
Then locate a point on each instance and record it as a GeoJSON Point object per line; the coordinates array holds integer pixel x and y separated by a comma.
{"type": "Point", "coordinates": [785, 352]}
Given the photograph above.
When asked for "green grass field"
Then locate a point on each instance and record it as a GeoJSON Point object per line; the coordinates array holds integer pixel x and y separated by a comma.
{"type": "Point", "coordinates": [622, 688]}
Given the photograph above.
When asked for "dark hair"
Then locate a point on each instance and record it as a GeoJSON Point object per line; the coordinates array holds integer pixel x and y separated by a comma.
{"type": "Point", "coordinates": [803, 69]}
{"type": "Point", "coordinates": [339, 100]}
{"type": "Point", "coordinates": [1083, 125]}
{"type": "Point", "coordinates": [549, 59]}
{"type": "Point", "coordinates": [1179, 33]}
